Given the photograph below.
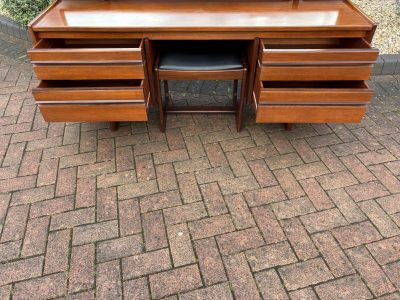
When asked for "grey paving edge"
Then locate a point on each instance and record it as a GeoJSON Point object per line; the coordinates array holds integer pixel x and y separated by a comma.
{"type": "Point", "coordinates": [387, 64]}
{"type": "Point", "coordinates": [14, 29]}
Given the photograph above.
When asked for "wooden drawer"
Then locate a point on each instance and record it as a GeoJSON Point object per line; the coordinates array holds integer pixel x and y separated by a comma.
{"type": "Point", "coordinates": [314, 92]}
{"type": "Point", "coordinates": [316, 73]}
{"type": "Point", "coordinates": [86, 50]}
{"type": "Point", "coordinates": [93, 113]}
{"type": "Point", "coordinates": [317, 51]}
{"type": "Point", "coordinates": [89, 71]}
{"type": "Point", "coordinates": [309, 114]}
{"type": "Point", "coordinates": [80, 59]}
{"type": "Point", "coordinates": [123, 91]}
{"type": "Point", "coordinates": [310, 102]}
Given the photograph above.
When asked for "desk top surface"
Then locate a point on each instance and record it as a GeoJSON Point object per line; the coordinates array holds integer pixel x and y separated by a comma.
{"type": "Point", "coordinates": [199, 15]}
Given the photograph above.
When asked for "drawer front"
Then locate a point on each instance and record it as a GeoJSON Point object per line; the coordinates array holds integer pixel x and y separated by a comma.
{"type": "Point", "coordinates": [346, 51]}
{"type": "Point", "coordinates": [79, 52]}
{"type": "Point", "coordinates": [315, 73]}
{"type": "Point", "coordinates": [288, 95]}
{"type": "Point", "coordinates": [309, 114]}
{"type": "Point", "coordinates": [89, 71]}
{"type": "Point", "coordinates": [79, 95]}
{"type": "Point", "coordinates": [101, 91]}
{"type": "Point", "coordinates": [93, 113]}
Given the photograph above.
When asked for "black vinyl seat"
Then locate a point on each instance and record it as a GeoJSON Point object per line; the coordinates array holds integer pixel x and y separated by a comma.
{"type": "Point", "coordinates": [210, 61]}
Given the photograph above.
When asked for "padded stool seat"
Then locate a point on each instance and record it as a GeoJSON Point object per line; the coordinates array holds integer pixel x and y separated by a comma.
{"type": "Point", "coordinates": [204, 60]}
{"type": "Point", "coordinates": [183, 61]}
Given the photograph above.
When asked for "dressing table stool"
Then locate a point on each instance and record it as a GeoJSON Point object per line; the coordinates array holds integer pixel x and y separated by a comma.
{"type": "Point", "coordinates": [201, 61]}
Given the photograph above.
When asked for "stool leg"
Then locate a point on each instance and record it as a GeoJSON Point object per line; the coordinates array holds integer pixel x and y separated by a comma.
{"type": "Point", "coordinates": [239, 117]}
{"type": "Point", "coordinates": [166, 91]}
{"type": "Point", "coordinates": [235, 92]}
{"type": "Point", "coordinates": [114, 126]}
{"type": "Point", "coordinates": [160, 102]}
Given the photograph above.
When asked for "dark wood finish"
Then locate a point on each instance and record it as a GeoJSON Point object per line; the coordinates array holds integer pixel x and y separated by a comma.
{"type": "Point", "coordinates": [200, 75]}
{"type": "Point", "coordinates": [201, 110]}
{"type": "Point", "coordinates": [157, 93]}
{"type": "Point", "coordinates": [151, 56]}
{"type": "Point", "coordinates": [114, 126]}
{"type": "Point", "coordinates": [240, 110]}
{"type": "Point", "coordinates": [252, 59]}
{"type": "Point", "coordinates": [235, 92]}
{"type": "Point", "coordinates": [289, 126]}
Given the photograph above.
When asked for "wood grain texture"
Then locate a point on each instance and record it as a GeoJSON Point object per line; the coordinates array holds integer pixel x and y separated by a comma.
{"type": "Point", "coordinates": [150, 52]}
{"type": "Point", "coordinates": [55, 92]}
{"type": "Point", "coordinates": [202, 35]}
{"type": "Point", "coordinates": [314, 93]}
{"type": "Point", "coordinates": [313, 51]}
{"type": "Point", "coordinates": [318, 73]}
{"type": "Point", "coordinates": [200, 15]}
{"type": "Point", "coordinates": [85, 51]}
{"type": "Point", "coordinates": [88, 71]}
{"type": "Point", "coordinates": [309, 114]}
{"type": "Point", "coordinates": [93, 113]}
{"type": "Point", "coordinates": [252, 59]}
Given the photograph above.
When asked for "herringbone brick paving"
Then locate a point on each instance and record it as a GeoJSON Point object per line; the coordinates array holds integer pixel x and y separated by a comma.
{"type": "Point", "coordinates": [200, 212]}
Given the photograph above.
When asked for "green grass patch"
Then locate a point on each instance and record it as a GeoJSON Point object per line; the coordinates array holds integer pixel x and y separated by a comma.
{"type": "Point", "coordinates": [23, 11]}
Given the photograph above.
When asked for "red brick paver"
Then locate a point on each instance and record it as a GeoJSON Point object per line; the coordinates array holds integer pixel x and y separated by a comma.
{"type": "Point", "coordinates": [200, 212]}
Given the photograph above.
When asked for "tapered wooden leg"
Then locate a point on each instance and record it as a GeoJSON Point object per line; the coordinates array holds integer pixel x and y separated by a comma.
{"type": "Point", "coordinates": [160, 102]}
{"type": "Point", "coordinates": [289, 126]}
{"type": "Point", "coordinates": [114, 126]}
{"type": "Point", "coordinates": [166, 92]}
{"type": "Point", "coordinates": [252, 58]}
{"type": "Point", "coordinates": [235, 92]}
{"type": "Point", "coordinates": [239, 114]}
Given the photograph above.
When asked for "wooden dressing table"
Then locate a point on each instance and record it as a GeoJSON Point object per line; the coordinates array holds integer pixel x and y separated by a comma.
{"type": "Point", "coordinates": [308, 59]}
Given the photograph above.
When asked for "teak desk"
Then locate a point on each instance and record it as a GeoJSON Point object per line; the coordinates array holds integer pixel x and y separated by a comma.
{"type": "Point", "coordinates": [308, 59]}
